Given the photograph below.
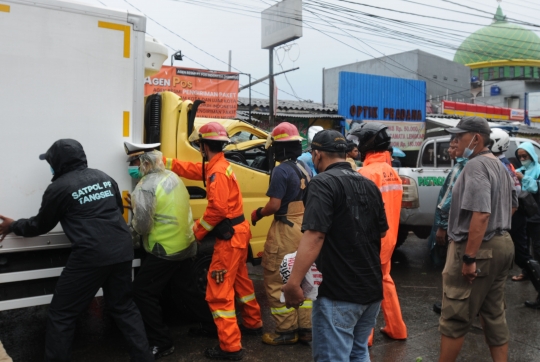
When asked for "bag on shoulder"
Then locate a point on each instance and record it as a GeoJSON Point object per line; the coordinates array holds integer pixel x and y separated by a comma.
{"type": "Point", "coordinates": [527, 204]}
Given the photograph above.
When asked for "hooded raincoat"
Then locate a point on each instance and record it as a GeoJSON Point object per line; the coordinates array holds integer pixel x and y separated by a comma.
{"type": "Point", "coordinates": [531, 174]}
{"type": "Point", "coordinates": [88, 205]}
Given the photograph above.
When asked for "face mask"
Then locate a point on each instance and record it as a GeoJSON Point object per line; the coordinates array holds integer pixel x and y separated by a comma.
{"type": "Point", "coordinates": [134, 172]}
{"type": "Point", "coordinates": [52, 170]}
{"type": "Point", "coordinates": [314, 164]}
{"type": "Point", "coordinates": [468, 152]}
{"type": "Point", "coordinates": [526, 163]}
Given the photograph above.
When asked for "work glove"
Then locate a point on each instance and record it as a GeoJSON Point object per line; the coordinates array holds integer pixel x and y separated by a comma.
{"type": "Point", "coordinates": [256, 216]}
{"type": "Point", "coordinates": [218, 275]}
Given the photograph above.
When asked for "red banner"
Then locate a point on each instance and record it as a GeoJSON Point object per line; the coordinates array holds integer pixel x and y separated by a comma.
{"type": "Point", "coordinates": [218, 89]}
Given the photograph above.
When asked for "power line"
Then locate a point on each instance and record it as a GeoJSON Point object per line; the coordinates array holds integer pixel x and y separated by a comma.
{"type": "Point", "coordinates": [174, 33]}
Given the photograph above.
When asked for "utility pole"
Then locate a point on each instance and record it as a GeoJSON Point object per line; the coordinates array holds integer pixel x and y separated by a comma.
{"type": "Point", "coordinates": [271, 94]}
{"type": "Point", "coordinates": [230, 59]}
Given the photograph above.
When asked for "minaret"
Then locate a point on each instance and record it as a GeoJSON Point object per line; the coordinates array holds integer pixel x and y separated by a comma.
{"type": "Point", "coordinates": [499, 16]}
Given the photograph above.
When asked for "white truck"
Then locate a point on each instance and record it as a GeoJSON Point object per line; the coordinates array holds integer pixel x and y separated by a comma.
{"type": "Point", "coordinates": [69, 70]}
{"type": "Point", "coordinates": [421, 184]}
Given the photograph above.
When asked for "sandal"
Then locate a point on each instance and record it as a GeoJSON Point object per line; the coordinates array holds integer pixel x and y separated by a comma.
{"type": "Point", "coordinates": [520, 278]}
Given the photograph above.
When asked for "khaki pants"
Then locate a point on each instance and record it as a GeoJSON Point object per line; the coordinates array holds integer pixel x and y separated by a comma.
{"type": "Point", "coordinates": [462, 301]}
{"type": "Point", "coordinates": [3, 354]}
{"type": "Point", "coordinates": [283, 239]}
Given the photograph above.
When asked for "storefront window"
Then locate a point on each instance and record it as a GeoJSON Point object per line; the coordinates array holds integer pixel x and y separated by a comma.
{"type": "Point", "coordinates": [519, 72]}
{"type": "Point", "coordinates": [491, 73]}
{"type": "Point", "coordinates": [512, 72]}
{"type": "Point", "coordinates": [501, 72]}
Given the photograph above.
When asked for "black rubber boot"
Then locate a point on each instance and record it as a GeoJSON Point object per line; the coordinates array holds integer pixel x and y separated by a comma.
{"type": "Point", "coordinates": [218, 353]}
{"type": "Point", "coordinates": [305, 335]}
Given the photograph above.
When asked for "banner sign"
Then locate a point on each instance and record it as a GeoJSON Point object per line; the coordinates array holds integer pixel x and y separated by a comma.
{"type": "Point", "coordinates": [482, 110]}
{"type": "Point", "coordinates": [408, 136]}
{"type": "Point", "coordinates": [219, 90]}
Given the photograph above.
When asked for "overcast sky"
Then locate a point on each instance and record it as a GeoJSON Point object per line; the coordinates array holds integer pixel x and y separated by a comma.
{"type": "Point", "coordinates": [217, 26]}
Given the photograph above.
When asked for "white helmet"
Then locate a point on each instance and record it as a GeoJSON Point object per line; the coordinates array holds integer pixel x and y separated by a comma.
{"type": "Point", "coordinates": [312, 131]}
{"type": "Point", "coordinates": [500, 139]}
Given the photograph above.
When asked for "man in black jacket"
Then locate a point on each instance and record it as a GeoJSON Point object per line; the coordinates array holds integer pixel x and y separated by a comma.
{"type": "Point", "coordinates": [88, 205]}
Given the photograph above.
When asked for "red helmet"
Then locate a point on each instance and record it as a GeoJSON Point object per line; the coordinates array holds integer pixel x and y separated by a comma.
{"type": "Point", "coordinates": [211, 131]}
{"type": "Point", "coordinates": [285, 132]}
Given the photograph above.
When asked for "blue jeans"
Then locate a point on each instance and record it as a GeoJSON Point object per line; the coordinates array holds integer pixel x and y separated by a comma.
{"type": "Point", "coordinates": [341, 330]}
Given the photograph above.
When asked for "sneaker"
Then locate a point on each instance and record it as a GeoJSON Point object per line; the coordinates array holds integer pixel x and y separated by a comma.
{"type": "Point", "coordinates": [279, 338]}
{"type": "Point", "coordinates": [535, 304]}
{"type": "Point", "coordinates": [159, 352]}
{"type": "Point", "coordinates": [437, 307]}
{"type": "Point", "coordinates": [218, 353]}
{"type": "Point", "coordinates": [246, 331]}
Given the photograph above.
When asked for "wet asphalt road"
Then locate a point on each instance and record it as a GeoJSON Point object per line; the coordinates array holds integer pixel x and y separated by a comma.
{"type": "Point", "coordinates": [418, 284]}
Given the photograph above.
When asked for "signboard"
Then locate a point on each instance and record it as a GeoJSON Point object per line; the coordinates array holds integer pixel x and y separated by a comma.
{"type": "Point", "coordinates": [482, 110]}
{"type": "Point", "coordinates": [218, 89]}
{"type": "Point", "coordinates": [517, 114]}
{"type": "Point", "coordinates": [281, 23]}
{"type": "Point", "coordinates": [408, 136]}
{"type": "Point", "coordinates": [533, 105]}
{"type": "Point", "coordinates": [398, 103]}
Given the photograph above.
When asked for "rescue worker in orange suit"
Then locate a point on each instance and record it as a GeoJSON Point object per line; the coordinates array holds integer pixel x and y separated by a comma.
{"type": "Point", "coordinates": [373, 142]}
{"type": "Point", "coordinates": [287, 185]}
{"type": "Point", "coordinates": [224, 220]}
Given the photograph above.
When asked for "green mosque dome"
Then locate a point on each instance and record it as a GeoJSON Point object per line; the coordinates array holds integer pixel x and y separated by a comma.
{"type": "Point", "coordinates": [500, 41]}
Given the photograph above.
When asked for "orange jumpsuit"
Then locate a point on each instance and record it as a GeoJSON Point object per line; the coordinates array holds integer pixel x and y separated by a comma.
{"type": "Point", "coordinates": [377, 168]}
{"type": "Point", "coordinates": [224, 201]}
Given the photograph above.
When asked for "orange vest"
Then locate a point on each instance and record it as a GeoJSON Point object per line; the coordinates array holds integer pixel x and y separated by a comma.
{"type": "Point", "coordinates": [222, 192]}
{"type": "Point", "coordinates": [377, 168]}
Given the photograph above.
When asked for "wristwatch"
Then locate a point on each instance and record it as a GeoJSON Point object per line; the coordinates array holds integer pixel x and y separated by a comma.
{"type": "Point", "coordinates": [468, 259]}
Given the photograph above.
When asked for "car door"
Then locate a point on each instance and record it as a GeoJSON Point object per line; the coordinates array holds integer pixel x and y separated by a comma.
{"type": "Point", "coordinates": [435, 164]}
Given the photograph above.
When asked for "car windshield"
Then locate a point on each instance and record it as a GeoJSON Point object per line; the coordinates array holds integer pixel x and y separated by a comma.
{"type": "Point", "coordinates": [243, 136]}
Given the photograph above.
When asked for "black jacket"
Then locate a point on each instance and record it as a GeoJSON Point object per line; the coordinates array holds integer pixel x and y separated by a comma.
{"type": "Point", "coordinates": [88, 205]}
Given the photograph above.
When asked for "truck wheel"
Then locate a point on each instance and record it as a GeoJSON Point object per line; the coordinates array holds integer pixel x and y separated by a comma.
{"type": "Point", "coordinates": [401, 236]}
{"type": "Point", "coordinates": [200, 273]}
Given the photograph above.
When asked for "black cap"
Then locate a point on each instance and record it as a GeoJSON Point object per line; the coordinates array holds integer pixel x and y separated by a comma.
{"type": "Point", "coordinates": [43, 156]}
{"type": "Point", "coordinates": [471, 124]}
{"type": "Point", "coordinates": [329, 141]}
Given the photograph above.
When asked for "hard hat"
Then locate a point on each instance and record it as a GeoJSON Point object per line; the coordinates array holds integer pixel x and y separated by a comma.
{"type": "Point", "coordinates": [501, 140]}
{"type": "Point", "coordinates": [211, 131]}
{"type": "Point", "coordinates": [371, 136]}
{"type": "Point", "coordinates": [286, 132]}
{"type": "Point", "coordinates": [134, 150]}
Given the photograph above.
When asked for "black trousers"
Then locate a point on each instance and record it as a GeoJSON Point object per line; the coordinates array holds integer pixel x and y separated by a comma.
{"type": "Point", "coordinates": [520, 239]}
{"type": "Point", "coordinates": [533, 231]}
{"type": "Point", "coordinates": [75, 290]}
{"type": "Point", "coordinates": [150, 282]}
